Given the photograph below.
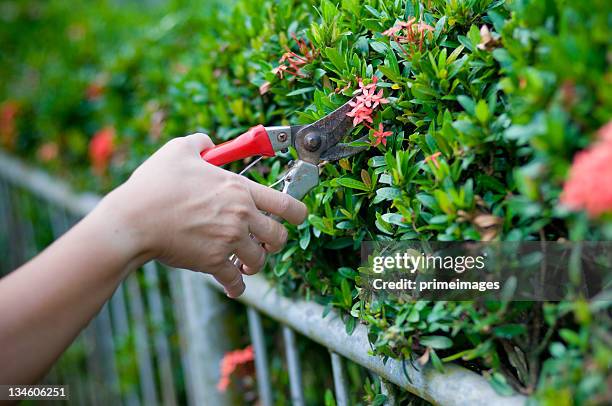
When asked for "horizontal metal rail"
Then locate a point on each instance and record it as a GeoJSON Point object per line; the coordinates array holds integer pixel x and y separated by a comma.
{"type": "Point", "coordinates": [456, 386]}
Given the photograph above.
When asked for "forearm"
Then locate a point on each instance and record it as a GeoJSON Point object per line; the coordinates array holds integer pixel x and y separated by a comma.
{"type": "Point", "coordinates": [174, 208]}
{"type": "Point", "coordinates": [45, 303]}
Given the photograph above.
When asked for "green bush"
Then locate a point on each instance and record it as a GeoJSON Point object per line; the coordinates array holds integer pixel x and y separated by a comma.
{"type": "Point", "coordinates": [485, 123]}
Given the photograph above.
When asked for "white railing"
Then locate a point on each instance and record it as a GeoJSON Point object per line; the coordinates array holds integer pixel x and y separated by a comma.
{"type": "Point", "coordinates": [137, 315]}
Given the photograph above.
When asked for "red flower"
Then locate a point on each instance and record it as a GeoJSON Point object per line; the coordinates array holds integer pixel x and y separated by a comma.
{"type": "Point", "coordinates": [230, 362]}
{"type": "Point", "coordinates": [264, 88]}
{"type": "Point", "coordinates": [94, 91]}
{"type": "Point", "coordinates": [48, 151]}
{"type": "Point", "coordinates": [434, 158]}
{"type": "Point", "coordinates": [392, 32]}
{"type": "Point", "coordinates": [589, 185]}
{"type": "Point", "coordinates": [365, 102]}
{"type": "Point", "coordinates": [407, 32]}
{"type": "Point", "coordinates": [280, 70]}
{"type": "Point", "coordinates": [342, 89]}
{"type": "Point", "coordinates": [96, 87]}
{"type": "Point", "coordinates": [292, 62]}
{"type": "Point", "coordinates": [8, 130]}
{"type": "Point", "coordinates": [101, 149]}
{"type": "Point", "coordinates": [422, 27]}
{"type": "Point", "coordinates": [381, 135]}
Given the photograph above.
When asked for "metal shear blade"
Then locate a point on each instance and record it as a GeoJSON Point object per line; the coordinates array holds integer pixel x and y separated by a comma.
{"type": "Point", "coordinates": [320, 140]}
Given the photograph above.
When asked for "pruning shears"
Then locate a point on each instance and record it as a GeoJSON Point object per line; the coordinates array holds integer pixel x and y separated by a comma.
{"type": "Point", "coordinates": [315, 143]}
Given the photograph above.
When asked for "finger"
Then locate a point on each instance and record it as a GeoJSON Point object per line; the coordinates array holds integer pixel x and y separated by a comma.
{"type": "Point", "coordinates": [251, 254]}
{"type": "Point", "coordinates": [268, 231]}
{"type": "Point", "coordinates": [199, 141]}
{"type": "Point", "coordinates": [231, 279]}
{"type": "Point", "coordinates": [275, 202]}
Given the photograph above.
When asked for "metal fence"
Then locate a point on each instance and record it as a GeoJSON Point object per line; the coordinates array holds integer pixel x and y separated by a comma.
{"type": "Point", "coordinates": [173, 324]}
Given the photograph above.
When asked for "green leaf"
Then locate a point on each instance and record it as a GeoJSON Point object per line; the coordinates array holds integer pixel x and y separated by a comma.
{"type": "Point", "coordinates": [474, 36]}
{"type": "Point", "coordinates": [391, 61]}
{"type": "Point", "coordinates": [300, 91]}
{"type": "Point", "coordinates": [379, 400]}
{"type": "Point", "coordinates": [509, 330]}
{"type": "Point", "coordinates": [347, 295]}
{"type": "Point", "coordinates": [500, 385]}
{"type": "Point", "coordinates": [414, 315]}
{"type": "Point", "coordinates": [386, 193]}
{"type": "Point", "coordinates": [329, 398]}
{"type": "Point", "coordinates": [427, 200]}
{"type": "Point", "coordinates": [361, 45]}
{"type": "Point", "coordinates": [373, 11]}
{"type": "Point", "coordinates": [390, 73]}
{"type": "Point", "coordinates": [394, 218]}
{"type": "Point", "coordinates": [305, 239]}
{"type": "Point", "coordinates": [336, 59]}
{"type": "Point", "coordinates": [352, 184]}
{"type": "Point", "coordinates": [435, 361]}
{"type": "Point", "coordinates": [350, 325]}
{"type": "Point", "coordinates": [439, 219]}
{"type": "Point", "coordinates": [482, 111]}
{"type": "Point", "coordinates": [439, 27]}
{"type": "Point", "coordinates": [379, 47]}
{"type": "Point", "coordinates": [467, 103]}
{"type": "Point", "coordinates": [436, 342]}
{"type": "Point", "coordinates": [571, 337]}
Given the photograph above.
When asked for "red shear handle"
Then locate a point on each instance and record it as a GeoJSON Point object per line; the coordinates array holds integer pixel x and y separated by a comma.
{"type": "Point", "coordinates": [253, 142]}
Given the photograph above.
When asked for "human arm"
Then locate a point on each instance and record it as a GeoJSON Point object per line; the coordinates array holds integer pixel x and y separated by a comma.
{"type": "Point", "coordinates": [174, 208]}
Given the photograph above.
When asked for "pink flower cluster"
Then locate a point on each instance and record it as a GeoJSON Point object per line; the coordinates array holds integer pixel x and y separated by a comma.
{"type": "Point", "coordinates": [589, 185]}
{"type": "Point", "coordinates": [230, 362]}
{"type": "Point", "coordinates": [409, 32]}
{"type": "Point", "coordinates": [366, 100]}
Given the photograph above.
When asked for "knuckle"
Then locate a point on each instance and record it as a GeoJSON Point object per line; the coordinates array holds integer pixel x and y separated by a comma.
{"type": "Point", "coordinates": [233, 184]}
{"type": "Point", "coordinates": [283, 235]}
{"type": "Point", "coordinates": [231, 235]}
{"type": "Point", "coordinates": [199, 134]}
{"type": "Point", "coordinates": [262, 259]}
{"type": "Point", "coordinates": [236, 280]}
{"type": "Point", "coordinates": [176, 142]}
{"type": "Point", "coordinates": [217, 259]}
{"type": "Point", "coordinates": [284, 203]}
{"type": "Point", "coordinates": [273, 228]}
{"type": "Point", "coordinates": [239, 211]}
{"type": "Point", "coordinates": [304, 210]}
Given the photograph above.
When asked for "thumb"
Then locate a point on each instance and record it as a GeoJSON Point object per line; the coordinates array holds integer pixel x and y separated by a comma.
{"type": "Point", "coordinates": [199, 141]}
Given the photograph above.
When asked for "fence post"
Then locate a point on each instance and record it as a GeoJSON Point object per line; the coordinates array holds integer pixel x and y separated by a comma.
{"type": "Point", "coordinates": [261, 357]}
{"type": "Point", "coordinates": [340, 384]}
{"type": "Point", "coordinates": [121, 328]}
{"type": "Point", "coordinates": [143, 350]}
{"type": "Point", "coordinates": [160, 340]}
{"type": "Point", "coordinates": [293, 367]}
{"type": "Point", "coordinates": [387, 389]}
{"type": "Point", "coordinates": [205, 340]}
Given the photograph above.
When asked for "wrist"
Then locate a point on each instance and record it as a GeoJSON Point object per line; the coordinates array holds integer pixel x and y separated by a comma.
{"type": "Point", "coordinates": [123, 228]}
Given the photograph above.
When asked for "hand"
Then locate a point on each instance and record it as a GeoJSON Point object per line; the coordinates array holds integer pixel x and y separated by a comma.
{"type": "Point", "coordinates": [189, 214]}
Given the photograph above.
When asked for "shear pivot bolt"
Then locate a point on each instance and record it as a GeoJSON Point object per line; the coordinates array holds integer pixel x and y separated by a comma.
{"type": "Point", "coordinates": [312, 142]}
{"type": "Point", "coordinates": [282, 137]}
